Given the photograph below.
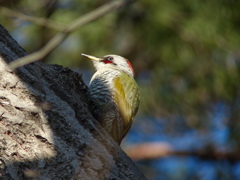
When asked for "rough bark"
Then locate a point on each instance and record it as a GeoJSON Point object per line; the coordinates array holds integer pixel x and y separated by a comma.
{"type": "Point", "coordinates": [46, 129]}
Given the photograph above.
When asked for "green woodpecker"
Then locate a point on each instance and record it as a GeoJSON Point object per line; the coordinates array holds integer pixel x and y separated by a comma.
{"type": "Point", "coordinates": [113, 94]}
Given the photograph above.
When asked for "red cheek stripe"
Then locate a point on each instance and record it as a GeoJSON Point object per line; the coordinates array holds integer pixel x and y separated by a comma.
{"type": "Point", "coordinates": [107, 62]}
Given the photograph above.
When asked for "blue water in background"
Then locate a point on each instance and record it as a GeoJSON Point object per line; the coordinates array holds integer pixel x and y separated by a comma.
{"type": "Point", "coordinates": [149, 129]}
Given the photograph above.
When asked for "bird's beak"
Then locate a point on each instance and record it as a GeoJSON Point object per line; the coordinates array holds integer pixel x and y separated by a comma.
{"type": "Point", "coordinates": [92, 57]}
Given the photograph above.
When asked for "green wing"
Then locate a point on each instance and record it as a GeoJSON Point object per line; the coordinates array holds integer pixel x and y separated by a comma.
{"type": "Point", "coordinates": [126, 96]}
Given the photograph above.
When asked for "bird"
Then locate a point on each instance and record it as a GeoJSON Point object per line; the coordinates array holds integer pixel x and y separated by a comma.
{"type": "Point", "coordinates": [113, 94]}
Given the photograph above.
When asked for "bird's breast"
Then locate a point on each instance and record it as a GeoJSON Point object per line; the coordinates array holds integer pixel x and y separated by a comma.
{"type": "Point", "coordinates": [102, 85]}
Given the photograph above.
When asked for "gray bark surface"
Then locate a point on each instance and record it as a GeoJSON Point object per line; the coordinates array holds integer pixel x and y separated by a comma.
{"type": "Point", "coordinates": [46, 129]}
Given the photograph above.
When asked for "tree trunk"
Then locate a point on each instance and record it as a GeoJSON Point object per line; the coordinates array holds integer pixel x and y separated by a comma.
{"type": "Point", "coordinates": [46, 128]}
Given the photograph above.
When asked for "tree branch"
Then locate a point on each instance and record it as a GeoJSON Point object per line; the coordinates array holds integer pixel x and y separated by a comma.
{"type": "Point", "coordinates": [40, 21]}
{"type": "Point", "coordinates": [146, 151]}
{"type": "Point", "coordinates": [60, 37]}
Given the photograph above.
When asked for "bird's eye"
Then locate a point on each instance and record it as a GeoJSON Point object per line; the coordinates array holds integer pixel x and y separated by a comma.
{"type": "Point", "coordinates": [108, 58]}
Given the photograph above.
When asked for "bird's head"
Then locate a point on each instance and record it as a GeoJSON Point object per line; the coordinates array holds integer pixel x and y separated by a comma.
{"type": "Point", "coordinates": [112, 61]}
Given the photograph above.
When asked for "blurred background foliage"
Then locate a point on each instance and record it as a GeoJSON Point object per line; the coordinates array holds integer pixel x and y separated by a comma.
{"type": "Point", "coordinates": [186, 54]}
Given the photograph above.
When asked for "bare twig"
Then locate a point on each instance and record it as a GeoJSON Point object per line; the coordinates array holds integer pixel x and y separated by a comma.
{"type": "Point", "coordinates": [146, 151]}
{"type": "Point", "coordinates": [40, 21]}
{"type": "Point", "coordinates": [56, 40]}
